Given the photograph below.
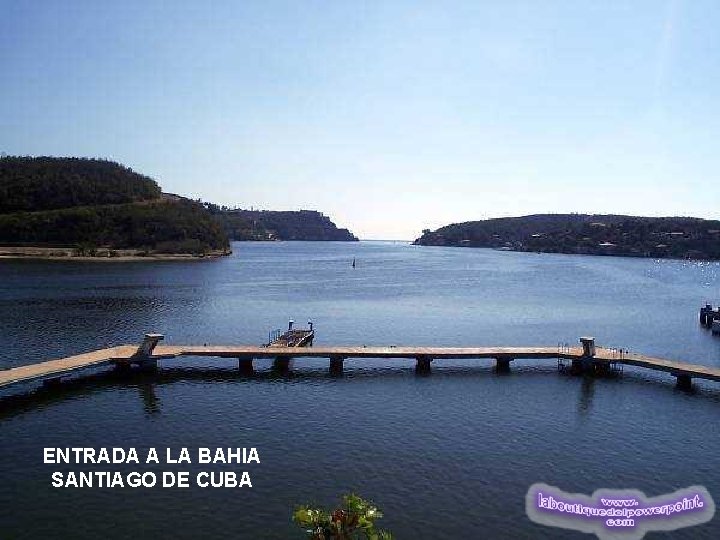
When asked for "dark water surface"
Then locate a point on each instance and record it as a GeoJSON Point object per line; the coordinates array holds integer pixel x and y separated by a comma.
{"type": "Point", "coordinates": [446, 456]}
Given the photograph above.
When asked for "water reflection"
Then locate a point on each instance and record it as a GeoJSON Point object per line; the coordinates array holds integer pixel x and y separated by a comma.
{"type": "Point", "coordinates": [587, 391]}
{"type": "Point", "coordinates": [149, 397]}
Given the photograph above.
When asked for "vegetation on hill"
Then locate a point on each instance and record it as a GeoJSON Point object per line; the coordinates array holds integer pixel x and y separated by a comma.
{"type": "Point", "coordinates": [675, 237]}
{"type": "Point", "coordinates": [165, 227]}
{"type": "Point", "coordinates": [93, 203]}
{"type": "Point", "coordinates": [275, 225]}
{"type": "Point", "coordinates": [46, 183]}
{"type": "Point", "coordinates": [96, 205]}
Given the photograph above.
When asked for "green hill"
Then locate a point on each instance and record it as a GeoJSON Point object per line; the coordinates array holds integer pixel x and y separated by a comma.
{"type": "Point", "coordinates": [280, 225]}
{"type": "Point", "coordinates": [661, 237]}
{"type": "Point", "coordinates": [91, 204]}
{"type": "Point", "coordinates": [48, 183]}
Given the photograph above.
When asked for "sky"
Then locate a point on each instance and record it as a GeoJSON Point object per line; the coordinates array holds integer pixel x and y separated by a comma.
{"type": "Point", "coordinates": [388, 116]}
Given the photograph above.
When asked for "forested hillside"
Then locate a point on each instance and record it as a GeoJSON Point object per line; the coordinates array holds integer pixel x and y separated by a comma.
{"type": "Point", "coordinates": [676, 237]}
{"type": "Point", "coordinates": [47, 183]}
{"type": "Point", "coordinates": [91, 204]}
{"type": "Point", "coordinates": [280, 225]}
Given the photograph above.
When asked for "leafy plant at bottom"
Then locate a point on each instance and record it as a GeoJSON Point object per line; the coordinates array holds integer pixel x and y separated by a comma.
{"type": "Point", "coordinates": [353, 520]}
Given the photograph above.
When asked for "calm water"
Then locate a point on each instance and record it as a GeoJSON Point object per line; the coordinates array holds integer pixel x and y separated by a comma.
{"type": "Point", "coordinates": [446, 456]}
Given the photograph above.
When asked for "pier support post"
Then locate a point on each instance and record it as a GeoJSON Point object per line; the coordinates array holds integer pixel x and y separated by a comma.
{"type": "Point", "coordinates": [601, 368]}
{"type": "Point", "coordinates": [281, 364]}
{"type": "Point", "coordinates": [423, 364]}
{"type": "Point", "coordinates": [122, 366]}
{"type": "Point", "coordinates": [149, 364]}
{"type": "Point", "coordinates": [586, 362]}
{"type": "Point", "coordinates": [52, 382]}
{"type": "Point", "coordinates": [706, 315]}
{"type": "Point", "coordinates": [245, 365]}
{"type": "Point", "coordinates": [502, 364]}
{"type": "Point", "coordinates": [336, 365]}
{"type": "Point", "coordinates": [577, 366]}
{"type": "Point", "coordinates": [684, 381]}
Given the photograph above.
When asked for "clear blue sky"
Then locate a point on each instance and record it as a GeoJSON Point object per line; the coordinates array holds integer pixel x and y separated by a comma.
{"type": "Point", "coordinates": [388, 116]}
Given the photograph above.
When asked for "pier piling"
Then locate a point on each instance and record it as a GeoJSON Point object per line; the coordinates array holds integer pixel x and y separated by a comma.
{"type": "Point", "coordinates": [502, 364]}
{"type": "Point", "coordinates": [684, 381]}
{"type": "Point", "coordinates": [245, 365]}
{"type": "Point", "coordinates": [336, 365]}
{"type": "Point", "coordinates": [706, 314]}
{"type": "Point", "coordinates": [149, 364]}
{"type": "Point", "coordinates": [423, 364]}
{"type": "Point", "coordinates": [281, 364]}
{"type": "Point", "coordinates": [710, 318]}
{"type": "Point", "coordinates": [585, 363]}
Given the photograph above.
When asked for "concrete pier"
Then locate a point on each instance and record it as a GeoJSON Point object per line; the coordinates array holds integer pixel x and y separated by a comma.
{"type": "Point", "coordinates": [588, 359]}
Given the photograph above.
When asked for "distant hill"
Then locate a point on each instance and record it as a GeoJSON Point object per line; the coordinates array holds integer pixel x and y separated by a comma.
{"type": "Point", "coordinates": [91, 204]}
{"type": "Point", "coordinates": [661, 237]}
{"type": "Point", "coordinates": [277, 225]}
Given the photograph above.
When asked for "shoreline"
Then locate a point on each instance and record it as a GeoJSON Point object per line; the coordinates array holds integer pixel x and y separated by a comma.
{"type": "Point", "coordinates": [590, 254]}
{"type": "Point", "coordinates": [154, 258]}
{"type": "Point", "coordinates": [68, 254]}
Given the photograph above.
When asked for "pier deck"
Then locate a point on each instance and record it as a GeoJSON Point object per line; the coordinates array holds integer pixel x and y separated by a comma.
{"type": "Point", "coordinates": [149, 352]}
{"type": "Point", "coordinates": [166, 351]}
{"type": "Point", "coordinates": [62, 366]}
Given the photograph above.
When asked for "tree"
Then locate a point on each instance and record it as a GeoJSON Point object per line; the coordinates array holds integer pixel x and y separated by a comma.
{"type": "Point", "coordinates": [353, 520]}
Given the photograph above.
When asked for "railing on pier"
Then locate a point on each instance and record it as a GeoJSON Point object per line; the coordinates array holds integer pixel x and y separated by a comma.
{"type": "Point", "coordinates": [292, 337]}
{"type": "Point", "coordinates": [273, 336]}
